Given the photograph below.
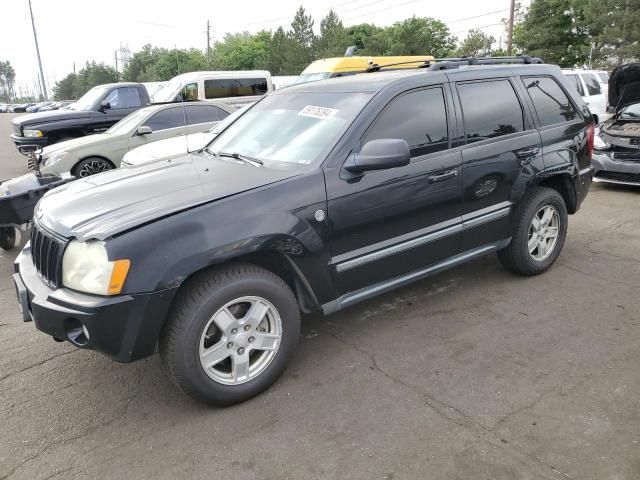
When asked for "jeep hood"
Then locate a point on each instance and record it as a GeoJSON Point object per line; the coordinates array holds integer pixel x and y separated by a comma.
{"type": "Point", "coordinates": [624, 86]}
{"type": "Point", "coordinates": [104, 205]}
{"type": "Point", "coordinates": [40, 118]}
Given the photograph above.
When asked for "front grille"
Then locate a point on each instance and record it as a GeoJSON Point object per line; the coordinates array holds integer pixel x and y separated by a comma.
{"type": "Point", "coordinates": [46, 252]}
{"type": "Point", "coordinates": [626, 154]}
{"type": "Point", "coordinates": [619, 176]}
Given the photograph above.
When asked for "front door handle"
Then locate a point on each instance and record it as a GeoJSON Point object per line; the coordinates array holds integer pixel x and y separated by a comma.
{"type": "Point", "coordinates": [443, 176]}
{"type": "Point", "coordinates": [527, 152]}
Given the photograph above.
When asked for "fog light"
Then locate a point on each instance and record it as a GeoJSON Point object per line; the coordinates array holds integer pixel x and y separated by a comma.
{"type": "Point", "coordinates": [85, 331]}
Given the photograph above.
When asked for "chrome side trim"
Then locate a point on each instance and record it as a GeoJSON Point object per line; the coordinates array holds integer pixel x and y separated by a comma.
{"type": "Point", "coordinates": [584, 171]}
{"type": "Point", "coordinates": [352, 260]}
{"type": "Point", "coordinates": [387, 285]}
{"type": "Point", "coordinates": [615, 182]}
{"type": "Point", "coordinates": [398, 248]}
{"type": "Point", "coordinates": [489, 217]}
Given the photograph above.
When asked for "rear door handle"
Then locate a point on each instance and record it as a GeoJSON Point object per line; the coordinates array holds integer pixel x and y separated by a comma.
{"type": "Point", "coordinates": [443, 176]}
{"type": "Point", "coordinates": [527, 152]}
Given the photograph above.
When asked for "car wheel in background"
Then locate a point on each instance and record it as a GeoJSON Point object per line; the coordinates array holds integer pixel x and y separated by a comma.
{"type": "Point", "coordinates": [91, 166]}
{"type": "Point", "coordinates": [7, 238]}
{"type": "Point", "coordinates": [230, 333]}
{"type": "Point", "coordinates": [538, 232]}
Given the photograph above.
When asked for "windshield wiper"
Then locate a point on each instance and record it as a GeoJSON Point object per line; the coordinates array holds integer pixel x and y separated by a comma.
{"type": "Point", "coordinates": [235, 155]}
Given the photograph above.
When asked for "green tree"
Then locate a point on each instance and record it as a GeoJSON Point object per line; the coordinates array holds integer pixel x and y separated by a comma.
{"type": "Point", "coordinates": [63, 89]}
{"type": "Point", "coordinates": [553, 30]}
{"type": "Point", "coordinates": [421, 36]}
{"type": "Point", "coordinates": [7, 81]}
{"type": "Point", "coordinates": [613, 28]}
{"type": "Point", "coordinates": [360, 35]}
{"type": "Point", "coordinates": [140, 66]}
{"type": "Point", "coordinates": [242, 51]}
{"type": "Point", "coordinates": [301, 38]}
{"type": "Point", "coordinates": [477, 43]}
{"type": "Point", "coordinates": [333, 39]}
{"type": "Point", "coordinates": [278, 51]}
{"type": "Point", "coordinates": [93, 74]}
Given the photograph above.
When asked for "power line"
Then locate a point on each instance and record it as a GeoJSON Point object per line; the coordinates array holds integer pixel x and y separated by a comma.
{"type": "Point", "coordinates": [476, 16]}
{"type": "Point", "coordinates": [291, 17]}
{"type": "Point", "coordinates": [474, 28]}
{"type": "Point", "coordinates": [381, 10]}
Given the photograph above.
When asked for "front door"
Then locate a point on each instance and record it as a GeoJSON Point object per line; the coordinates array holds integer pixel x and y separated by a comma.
{"type": "Point", "coordinates": [387, 223]}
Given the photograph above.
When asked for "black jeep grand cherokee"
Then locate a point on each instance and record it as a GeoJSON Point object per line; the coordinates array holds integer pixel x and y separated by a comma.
{"type": "Point", "coordinates": [320, 196]}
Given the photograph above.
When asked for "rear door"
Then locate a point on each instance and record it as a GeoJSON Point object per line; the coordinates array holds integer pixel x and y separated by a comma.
{"type": "Point", "coordinates": [389, 222]}
{"type": "Point", "coordinates": [168, 122]}
{"type": "Point", "coordinates": [500, 155]}
{"type": "Point", "coordinates": [123, 101]}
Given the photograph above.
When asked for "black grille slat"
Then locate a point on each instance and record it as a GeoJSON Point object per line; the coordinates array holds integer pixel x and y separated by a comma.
{"type": "Point", "coordinates": [46, 253]}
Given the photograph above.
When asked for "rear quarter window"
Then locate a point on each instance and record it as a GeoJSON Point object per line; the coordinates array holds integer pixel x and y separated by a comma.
{"type": "Point", "coordinates": [549, 100]}
{"type": "Point", "coordinates": [490, 109]}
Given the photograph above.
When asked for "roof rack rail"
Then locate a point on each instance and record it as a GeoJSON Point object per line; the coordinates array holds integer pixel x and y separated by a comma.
{"type": "Point", "coordinates": [447, 63]}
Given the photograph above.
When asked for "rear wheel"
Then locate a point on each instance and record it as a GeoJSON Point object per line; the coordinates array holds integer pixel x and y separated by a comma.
{"type": "Point", "coordinates": [91, 166]}
{"type": "Point", "coordinates": [538, 232]}
{"type": "Point", "coordinates": [7, 238]}
{"type": "Point", "coordinates": [230, 334]}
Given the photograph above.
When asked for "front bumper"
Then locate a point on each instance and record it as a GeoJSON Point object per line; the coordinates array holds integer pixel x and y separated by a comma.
{"type": "Point", "coordinates": [25, 144]}
{"type": "Point", "coordinates": [123, 327]}
{"type": "Point", "coordinates": [609, 170]}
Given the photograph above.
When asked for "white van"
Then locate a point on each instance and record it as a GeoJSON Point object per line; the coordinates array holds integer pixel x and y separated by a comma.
{"type": "Point", "coordinates": [235, 88]}
{"type": "Point", "coordinates": [590, 89]}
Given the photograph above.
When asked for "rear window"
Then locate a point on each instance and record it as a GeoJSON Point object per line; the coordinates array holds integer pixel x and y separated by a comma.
{"type": "Point", "coordinates": [204, 114]}
{"type": "Point", "coordinates": [593, 85]}
{"type": "Point", "coordinates": [574, 80]}
{"type": "Point", "coordinates": [490, 109]}
{"type": "Point", "coordinates": [550, 101]}
{"type": "Point", "coordinates": [239, 87]}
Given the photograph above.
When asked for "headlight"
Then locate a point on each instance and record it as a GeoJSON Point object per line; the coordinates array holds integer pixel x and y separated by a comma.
{"type": "Point", "coordinates": [54, 158]}
{"type": "Point", "coordinates": [599, 143]}
{"type": "Point", "coordinates": [86, 267]}
{"type": "Point", "coordinates": [32, 133]}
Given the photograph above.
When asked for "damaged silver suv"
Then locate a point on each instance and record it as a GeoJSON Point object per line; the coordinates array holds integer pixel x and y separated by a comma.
{"type": "Point", "coordinates": [616, 157]}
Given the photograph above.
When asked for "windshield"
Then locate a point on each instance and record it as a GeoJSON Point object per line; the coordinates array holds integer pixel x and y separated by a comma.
{"type": "Point", "coordinates": [291, 128]}
{"type": "Point", "coordinates": [630, 112]}
{"type": "Point", "coordinates": [168, 92]}
{"type": "Point", "coordinates": [89, 99]}
{"type": "Point", "coordinates": [312, 77]}
{"type": "Point", "coordinates": [129, 122]}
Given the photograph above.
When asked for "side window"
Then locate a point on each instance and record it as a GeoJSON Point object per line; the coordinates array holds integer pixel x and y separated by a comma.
{"type": "Point", "coordinates": [575, 81]}
{"type": "Point", "coordinates": [239, 87]}
{"type": "Point", "coordinates": [124, 97]}
{"type": "Point", "coordinates": [204, 114]}
{"type": "Point", "coordinates": [419, 117]}
{"type": "Point", "coordinates": [490, 109]}
{"type": "Point", "coordinates": [551, 103]}
{"type": "Point", "coordinates": [168, 118]}
{"type": "Point", "coordinates": [189, 93]}
{"type": "Point", "coordinates": [593, 85]}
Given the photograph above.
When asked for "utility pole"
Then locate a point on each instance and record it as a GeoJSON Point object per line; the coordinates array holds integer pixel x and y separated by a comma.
{"type": "Point", "coordinates": [35, 38]}
{"type": "Point", "coordinates": [512, 9]}
{"type": "Point", "coordinates": [208, 51]}
{"type": "Point", "coordinates": [115, 57]}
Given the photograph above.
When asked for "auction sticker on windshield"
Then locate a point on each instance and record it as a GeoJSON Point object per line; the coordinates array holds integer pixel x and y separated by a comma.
{"type": "Point", "coordinates": [321, 113]}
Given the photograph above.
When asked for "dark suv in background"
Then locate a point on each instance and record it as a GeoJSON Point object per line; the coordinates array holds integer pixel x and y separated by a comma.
{"type": "Point", "coordinates": [321, 195]}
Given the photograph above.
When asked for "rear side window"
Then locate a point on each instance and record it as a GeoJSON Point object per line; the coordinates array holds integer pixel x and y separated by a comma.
{"type": "Point", "coordinates": [550, 101]}
{"type": "Point", "coordinates": [239, 87]}
{"type": "Point", "coordinates": [593, 85]}
{"type": "Point", "coordinates": [490, 109]}
{"type": "Point", "coordinates": [204, 114]}
{"type": "Point", "coordinates": [419, 117]}
{"type": "Point", "coordinates": [574, 80]}
{"type": "Point", "coordinates": [164, 119]}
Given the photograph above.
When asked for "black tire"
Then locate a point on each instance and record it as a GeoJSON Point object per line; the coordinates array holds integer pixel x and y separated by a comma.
{"type": "Point", "coordinates": [516, 256]}
{"type": "Point", "coordinates": [91, 166]}
{"type": "Point", "coordinates": [7, 238]}
{"type": "Point", "coordinates": [195, 304]}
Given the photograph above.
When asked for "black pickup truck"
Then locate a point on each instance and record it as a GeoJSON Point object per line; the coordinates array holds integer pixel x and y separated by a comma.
{"type": "Point", "coordinates": [94, 112]}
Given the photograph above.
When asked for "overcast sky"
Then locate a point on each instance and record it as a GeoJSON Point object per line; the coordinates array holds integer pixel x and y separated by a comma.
{"type": "Point", "coordinates": [79, 30]}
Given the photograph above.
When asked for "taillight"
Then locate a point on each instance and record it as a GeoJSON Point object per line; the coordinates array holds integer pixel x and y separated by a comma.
{"type": "Point", "coordinates": [591, 135]}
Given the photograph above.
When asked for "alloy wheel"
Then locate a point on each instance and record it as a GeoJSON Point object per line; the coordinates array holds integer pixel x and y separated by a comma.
{"type": "Point", "coordinates": [543, 233]}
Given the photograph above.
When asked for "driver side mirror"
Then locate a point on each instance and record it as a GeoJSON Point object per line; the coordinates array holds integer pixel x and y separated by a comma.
{"type": "Point", "coordinates": [105, 106]}
{"type": "Point", "coordinates": [381, 154]}
{"type": "Point", "coordinates": [144, 130]}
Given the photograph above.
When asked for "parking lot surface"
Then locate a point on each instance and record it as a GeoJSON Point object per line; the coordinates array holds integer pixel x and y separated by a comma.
{"type": "Point", "coordinates": [470, 374]}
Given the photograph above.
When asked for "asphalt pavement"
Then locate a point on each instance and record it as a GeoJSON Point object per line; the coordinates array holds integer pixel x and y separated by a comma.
{"type": "Point", "coordinates": [471, 374]}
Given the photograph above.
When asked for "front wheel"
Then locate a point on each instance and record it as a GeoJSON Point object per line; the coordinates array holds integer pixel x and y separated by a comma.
{"type": "Point", "coordinates": [538, 232]}
{"type": "Point", "coordinates": [91, 166]}
{"type": "Point", "coordinates": [7, 238]}
{"type": "Point", "coordinates": [230, 333]}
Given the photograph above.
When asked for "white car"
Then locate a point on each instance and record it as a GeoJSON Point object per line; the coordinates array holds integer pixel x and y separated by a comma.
{"type": "Point", "coordinates": [176, 146]}
{"type": "Point", "coordinates": [93, 154]}
{"type": "Point", "coordinates": [587, 83]}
